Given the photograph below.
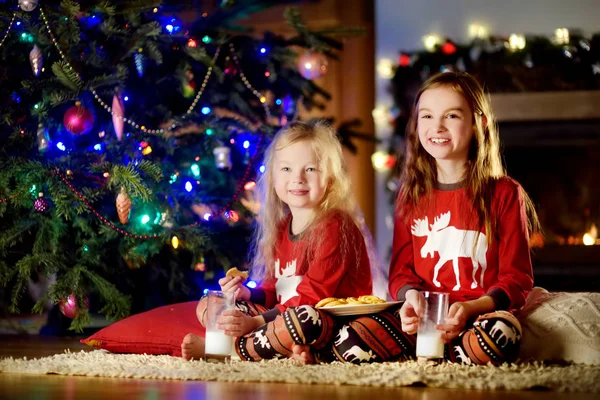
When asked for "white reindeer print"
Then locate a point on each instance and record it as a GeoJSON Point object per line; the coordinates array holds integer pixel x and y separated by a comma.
{"type": "Point", "coordinates": [287, 281]}
{"type": "Point", "coordinates": [507, 332]}
{"type": "Point", "coordinates": [310, 313]}
{"type": "Point", "coordinates": [359, 354]}
{"type": "Point", "coordinates": [482, 324]}
{"type": "Point", "coordinates": [451, 243]}
{"type": "Point", "coordinates": [462, 356]}
{"type": "Point", "coordinates": [261, 339]}
{"type": "Point", "coordinates": [342, 335]}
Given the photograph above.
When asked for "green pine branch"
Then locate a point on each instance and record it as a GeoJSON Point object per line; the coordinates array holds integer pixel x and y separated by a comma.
{"type": "Point", "coordinates": [153, 52]}
{"type": "Point", "coordinates": [6, 273]}
{"type": "Point", "coordinates": [128, 178]}
{"type": "Point", "coordinates": [150, 30]}
{"type": "Point", "coordinates": [84, 225]}
{"type": "Point", "coordinates": [58, 97]}
{"type": "Point", "coordinates": [70, 8]}
{"type": "Point", "coordinates": [152, 170]}
{"type": "Point", "coordinates": [137, 6]}
{"type": "Point", "coordinates": [116, 306]}
{"type": "Point", "coordinates": [106, 8]}
{"type": "Point", "coordinates": [106, 80]}
{"type": "Point", "coordinates": [110, 28]}
{"type": "Point", "coordinates": [24, 268]}
{"type": "Point", "coordinates": [15, 234]}
{"type": "Point", "coordinates": [49, 235]}
{"type": "Point", "coordinates": [293, 17]}
{"type": "Point", "coordinates": [67, 76]}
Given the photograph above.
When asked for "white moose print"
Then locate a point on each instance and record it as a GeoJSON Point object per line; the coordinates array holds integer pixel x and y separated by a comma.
{"type": "Point", "coordinates": [464, 359]}
{"type": "Point", "coordinates": [260, 338]}
{"type": "Point", "coordinates": [287, 281]}
{"type": "Point", "coordinates": [451, 243]}
{"type": "Point", "coordinates": [482, 324]}
{"type": "Point", "coordinates": [507, 332]}
{"type": "Point", "coordinates": [342, 335]}
{"type": "Point", "coordinates": [310, 313]}
{"type": "Point", "coordinates": [359, 354]}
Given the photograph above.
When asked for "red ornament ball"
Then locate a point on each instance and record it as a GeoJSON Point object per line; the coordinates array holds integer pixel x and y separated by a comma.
{"type": "Point", "coordinates": [78, 120]}
{"type": "Point", "coordinates": [68, 307]}
{"type": "Point", "coordinates": [41, 205]}
{"type": "Point", "coordinates": [404, 60]}
{"type": "Point", "coordinates": [231, 68]}
{"type": "Point", "coordinates": [449, 48]}
{"type": "Point", "coordinates": [312, 65]}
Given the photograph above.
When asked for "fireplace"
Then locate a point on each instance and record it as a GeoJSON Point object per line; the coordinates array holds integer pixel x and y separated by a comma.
{"type": "Point", "coordinates": [554, 152]}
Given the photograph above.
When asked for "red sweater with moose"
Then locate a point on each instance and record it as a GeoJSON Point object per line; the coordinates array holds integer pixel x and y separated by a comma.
{"type": "Point", "coordinates": [437, 248]}
{"type": "Point", "coordinates": [331, 269]}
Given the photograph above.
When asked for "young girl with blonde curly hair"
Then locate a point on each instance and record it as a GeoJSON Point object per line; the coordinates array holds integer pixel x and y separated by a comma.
{"type": "Point", "coordinates": [308, 246]}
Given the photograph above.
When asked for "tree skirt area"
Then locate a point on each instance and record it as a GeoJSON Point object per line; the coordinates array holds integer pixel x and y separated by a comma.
{"type": "Point", "coordinates": [520, 376]}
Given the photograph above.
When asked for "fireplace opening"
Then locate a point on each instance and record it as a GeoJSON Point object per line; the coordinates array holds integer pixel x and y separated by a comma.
{"type": "Point", "coordinates": [558, 164]}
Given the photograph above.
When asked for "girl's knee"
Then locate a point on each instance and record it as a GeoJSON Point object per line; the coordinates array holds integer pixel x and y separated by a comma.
{"type": "Point", "coordinates": [308, 325]}
{"type": "Point", "coordinates": [373, 338]}
{"type": "Point", "coordinates": [495, 337]}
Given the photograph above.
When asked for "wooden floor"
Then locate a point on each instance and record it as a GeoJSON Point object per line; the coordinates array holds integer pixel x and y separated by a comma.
{"type": "Point", "coordinates": [18, 386]}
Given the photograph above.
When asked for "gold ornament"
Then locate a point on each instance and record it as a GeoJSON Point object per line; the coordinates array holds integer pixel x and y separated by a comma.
{"type": "Point", "coordinates": [123, 206]}
{"type": "Point", "coordinates": [134, 261]}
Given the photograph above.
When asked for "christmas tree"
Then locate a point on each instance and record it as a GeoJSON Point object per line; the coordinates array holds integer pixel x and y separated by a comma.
{"type": "Point", "coordinates": [131, 141]}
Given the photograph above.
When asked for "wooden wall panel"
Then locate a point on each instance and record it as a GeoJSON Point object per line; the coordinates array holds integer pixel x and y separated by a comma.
{"type": "Point", "coordinates": [350, 80]}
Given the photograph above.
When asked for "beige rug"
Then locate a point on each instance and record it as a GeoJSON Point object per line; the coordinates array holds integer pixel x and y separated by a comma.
{"type": "Point", "coordinates": [506, 377]}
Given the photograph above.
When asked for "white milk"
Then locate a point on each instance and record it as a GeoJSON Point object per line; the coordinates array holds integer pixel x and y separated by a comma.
{"type": "Point", "coordinates": [430, 345]}
{"type": "Point", "coordinates": [217, 343]}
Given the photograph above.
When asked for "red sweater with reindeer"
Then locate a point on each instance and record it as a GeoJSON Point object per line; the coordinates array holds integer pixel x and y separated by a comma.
{"type": "Point", "coordinates": [437, 248]}
{"type": "Point", "coordinates": [305, 276]}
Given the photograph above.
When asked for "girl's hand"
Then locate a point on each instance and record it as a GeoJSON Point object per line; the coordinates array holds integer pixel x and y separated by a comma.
{"type": "Point", "coordinates": [458, 315]}
{"type": "Point", "coordinates": [412, 309]}
{"type": "Point", "coordinates": [236, 323]}
{"type": "Point", "coordinates": [235, 285]}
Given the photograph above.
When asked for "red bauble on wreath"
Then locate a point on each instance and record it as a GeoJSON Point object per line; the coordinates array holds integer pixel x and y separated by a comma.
{"type": "Point", "coordinates": [78, 120]}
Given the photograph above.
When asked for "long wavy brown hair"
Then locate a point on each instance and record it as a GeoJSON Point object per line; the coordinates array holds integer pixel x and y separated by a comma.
{"type": "Point", "coordinates": [273, 212]}
{"type": "Point", "coordinates": [484, 164]}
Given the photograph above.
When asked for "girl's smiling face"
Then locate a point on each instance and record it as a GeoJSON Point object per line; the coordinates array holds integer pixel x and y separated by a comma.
{"type": "Point", "coordinates": [299, 181]}
{"type": "Point", "coordinates": [445, 124]}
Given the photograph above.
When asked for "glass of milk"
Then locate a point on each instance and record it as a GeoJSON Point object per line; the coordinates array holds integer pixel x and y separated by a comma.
{"type": "Point", "coordinates": [429, 340]}
{"type": "Point", "coordinates": [217, 345]}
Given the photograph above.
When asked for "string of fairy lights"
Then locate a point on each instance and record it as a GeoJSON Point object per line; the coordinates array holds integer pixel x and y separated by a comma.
{"type": "Point", "coordinates": [8, 29]}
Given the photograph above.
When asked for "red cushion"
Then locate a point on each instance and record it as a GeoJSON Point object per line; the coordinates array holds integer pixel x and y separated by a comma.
{"type": "Point", "coordinates": [158, 331]}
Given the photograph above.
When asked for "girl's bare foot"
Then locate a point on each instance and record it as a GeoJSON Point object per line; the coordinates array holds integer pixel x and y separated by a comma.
{"type": "Point", "coordinates": [302, 353]}
{"type": "Point", "coordinates": [192, 347]}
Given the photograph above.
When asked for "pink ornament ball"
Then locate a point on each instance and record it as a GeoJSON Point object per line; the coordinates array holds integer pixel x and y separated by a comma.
{"type": "Point", "coordinates": [312, 65]}
{"type": "Point", "coordinates": [40, 205]}
{"type": "Point", "coordinates": [78, 120]}
{"type": "Point", "coordinates": [68, 307]}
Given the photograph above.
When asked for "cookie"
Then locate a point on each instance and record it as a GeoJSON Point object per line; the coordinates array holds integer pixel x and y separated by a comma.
{"type": "Point", "coordinates": [233, 272]}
